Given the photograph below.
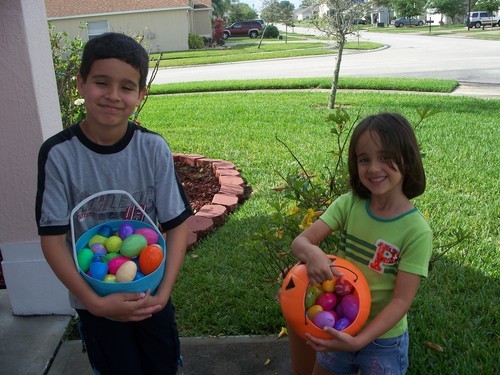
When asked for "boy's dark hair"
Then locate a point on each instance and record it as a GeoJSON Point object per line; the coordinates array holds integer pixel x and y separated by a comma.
{"type": "Point", "coordinates": [115, 46]}
{"type": "Point", "coordinates": [398, 138]}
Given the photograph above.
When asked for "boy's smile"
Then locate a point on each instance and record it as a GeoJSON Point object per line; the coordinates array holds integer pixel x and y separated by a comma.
{"type": "Point", "coordinates": [111, 94]}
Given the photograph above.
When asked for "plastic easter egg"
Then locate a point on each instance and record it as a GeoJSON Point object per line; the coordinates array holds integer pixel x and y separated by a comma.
{"type": "Point", "coordinates": [138, 276]}
{"type": "Point", "coordinates": [328, 285]}
{"type": "Point", "coordinates": [327, 301]}
{"type": "Point", "coordinates": [98, 270]}
{"type": "Point", "coordinates": [125, 230]}
{"type": "Point", "coordinates": [313, 310]}
{"type": "Point", "coordinates": [112, 255]}
{"type": "Point", "coordinates": [311, 297]}
{"type": "Point", "coordinates": [116, 263]}
{"type": "Point", "coordinates": [109, 278]}
{"type": "Point", "coordinates": [150, 235]}
{"type": "Point", "coordinates": [84, 257]}
{"type": "Point", "coordinates": [105, 231]}
{"type": "Point", "coordinates": [342, 324]}
{"type": "Point", "coordinates": [113, 244]}
{"type": "Point", "coordinates": [350, 306]}
{"type": "Point", "coordinates": [150, 259]}
{"type": "Point", "coordinates": [293, 293]}
{"type": "Point", "coordinates": [132, 245]}
{"type": "Point", "coordinates": [99, 249]}
{"type": "Point", "coordinates": [97, 239]}
{"type": "Point", "coordinates": [343, 286]}
{"type": "Point", "coordinates": [323, 319]}
{"type": "Point", "coordinates": [126, 272]}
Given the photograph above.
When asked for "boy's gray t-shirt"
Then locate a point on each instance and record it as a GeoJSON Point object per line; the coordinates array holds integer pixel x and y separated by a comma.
{"type": "Point", "coordinates": [71, 168]}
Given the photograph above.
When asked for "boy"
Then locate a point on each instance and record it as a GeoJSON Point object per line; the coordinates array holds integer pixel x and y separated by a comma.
{"type": "Point", "coordinates": [125, 333]}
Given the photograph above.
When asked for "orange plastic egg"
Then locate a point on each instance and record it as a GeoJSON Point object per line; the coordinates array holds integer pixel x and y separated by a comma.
{"type": "Point", "coordinates": [293, 295]}
{"type": "Point", "coordinates": [150, 259]}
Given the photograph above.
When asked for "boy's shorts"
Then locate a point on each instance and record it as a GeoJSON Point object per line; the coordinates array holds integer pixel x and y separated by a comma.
{"type": "Point", "coordinates": [382, 356]}
{"type": "Point", "coordinates": [148, 347]}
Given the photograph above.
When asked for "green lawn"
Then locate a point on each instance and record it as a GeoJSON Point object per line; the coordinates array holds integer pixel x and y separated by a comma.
{"type": "Point", "coordinates": [223, 289]}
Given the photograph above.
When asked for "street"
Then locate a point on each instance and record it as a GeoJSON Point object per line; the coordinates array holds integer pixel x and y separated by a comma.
{"type": "Point", "coordinates": [410, 55]}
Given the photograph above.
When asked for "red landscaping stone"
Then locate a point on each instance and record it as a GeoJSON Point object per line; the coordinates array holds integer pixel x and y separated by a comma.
{"type": "Point", "coordinates": [226, 172]}
{"type": "Point", "coordinates": [200, 225]}
{"type": "Point", "coordinates": [190, 159]}
{"type": "Point", "coordinates": [229, 201]}
{"type": "Point", "coordinates": [203, 162]}
{"type": "Point", "coordinates": [232, 190]}
{"type": "Point", "coordinates": [231, 180]}
{"type": "Point", "coordinates": [222, 165]}
{"type": "Point", "coordinates": [215, 212]}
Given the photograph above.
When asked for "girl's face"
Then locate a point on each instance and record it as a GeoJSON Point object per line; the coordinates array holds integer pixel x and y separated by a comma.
{"type": "Point", "coordinates": [377, 170]}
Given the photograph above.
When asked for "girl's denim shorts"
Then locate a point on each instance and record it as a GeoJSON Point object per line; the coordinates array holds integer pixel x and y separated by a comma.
{"type": "Point", "coordinates": [382, 356]}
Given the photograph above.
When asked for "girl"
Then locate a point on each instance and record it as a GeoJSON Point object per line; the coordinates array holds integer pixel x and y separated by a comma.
{"type": "Point", "coordinates": [383, 235]}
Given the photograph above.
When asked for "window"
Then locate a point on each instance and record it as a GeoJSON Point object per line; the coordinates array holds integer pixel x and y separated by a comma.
{"type": "Point", "coordinates": [97, 28]}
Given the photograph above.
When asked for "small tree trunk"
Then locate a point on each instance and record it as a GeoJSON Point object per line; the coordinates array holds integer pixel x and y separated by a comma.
{"type": "Point", "coordinates": [335, 82]}
{"type": "Point", "coordinates": [262, 36]}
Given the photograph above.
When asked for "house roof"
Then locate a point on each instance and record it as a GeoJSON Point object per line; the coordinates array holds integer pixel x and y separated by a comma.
{"type": "Point", "coordinates": [68, 8]}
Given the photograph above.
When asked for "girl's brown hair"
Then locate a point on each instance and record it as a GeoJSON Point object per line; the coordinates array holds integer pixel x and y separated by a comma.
{"type": "Point", "coordinates": [399, 140]}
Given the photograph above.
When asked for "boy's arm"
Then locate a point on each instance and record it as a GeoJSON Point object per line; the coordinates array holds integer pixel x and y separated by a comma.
{"type": "Point", "coordinates": [118, 306]}
{"type": "Point", "coordinates": [176, 250]}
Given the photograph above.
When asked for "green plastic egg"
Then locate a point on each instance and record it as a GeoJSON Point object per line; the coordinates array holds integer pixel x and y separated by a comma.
{"type": "Point", "coordinates": [113, 244]}
{"type": "Point", "coordinates": [84, 257]}
{"type": "Point", "coordinates": [132, 245]}
{"type": "Point", "coordinates": [97, 239]}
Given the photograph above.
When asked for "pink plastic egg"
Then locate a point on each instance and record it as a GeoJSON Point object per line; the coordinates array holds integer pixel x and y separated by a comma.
{"type": "Point", "coordinates": [116, 263]}
{"type": "Point", "coordinates": [327, 301]}
{"type": "Point", "coordinates": [148, 233]}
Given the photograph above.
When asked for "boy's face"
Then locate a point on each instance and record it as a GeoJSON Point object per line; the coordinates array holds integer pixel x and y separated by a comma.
{"type": "Point", "coordinates": [111, 93]}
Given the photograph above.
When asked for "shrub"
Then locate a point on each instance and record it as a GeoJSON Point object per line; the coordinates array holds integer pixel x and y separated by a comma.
{"type": "Point", "coordinates": [271, 32]}
{"type": "Point", "coordinates": [195, 41]}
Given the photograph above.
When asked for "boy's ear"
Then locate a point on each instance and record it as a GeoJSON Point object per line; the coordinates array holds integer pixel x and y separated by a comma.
{"type": "Point", "coordinates": [141, 96]}
{"type": "Point", "coordinates": [79, 84]}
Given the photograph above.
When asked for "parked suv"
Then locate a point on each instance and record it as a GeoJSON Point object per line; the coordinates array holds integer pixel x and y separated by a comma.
{"type": "Point", "coordinates": [243, 28]}
{"type": "Point", "coordinates": [480, 18]}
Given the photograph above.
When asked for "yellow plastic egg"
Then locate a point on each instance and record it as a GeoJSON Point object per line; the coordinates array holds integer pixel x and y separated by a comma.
{"type": "Point", "coordinates": [126, 272]}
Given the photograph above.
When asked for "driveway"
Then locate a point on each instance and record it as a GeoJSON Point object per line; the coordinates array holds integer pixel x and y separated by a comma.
{"type": "Point", "coordinates": [404, 55]}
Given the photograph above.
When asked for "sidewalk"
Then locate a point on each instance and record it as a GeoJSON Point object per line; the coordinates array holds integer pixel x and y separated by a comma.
{"type": "Point", "coordinates": [32, 346]}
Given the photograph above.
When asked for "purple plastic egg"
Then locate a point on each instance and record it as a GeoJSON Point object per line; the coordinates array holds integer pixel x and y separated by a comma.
{"type": "Point", "coordinates": [99, 249]}
{"type": "Point", "coordinates": [342, 324]}
{"type": "Point", "coordinates": [323, 319]}
{"type": "Point", "coordinates": [350, 305]}
{"type": "Point", "coordinates": [125, 230]}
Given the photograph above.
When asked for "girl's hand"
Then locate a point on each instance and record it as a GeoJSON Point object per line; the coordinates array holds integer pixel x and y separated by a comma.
{"type": "Point", "coordinates": [340, 341]}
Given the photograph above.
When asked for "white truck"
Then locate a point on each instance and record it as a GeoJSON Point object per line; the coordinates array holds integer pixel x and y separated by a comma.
{"type": "Point", "coordinates": [480, 18]}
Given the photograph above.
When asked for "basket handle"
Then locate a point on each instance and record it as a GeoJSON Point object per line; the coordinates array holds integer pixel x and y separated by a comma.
{"type": "Point", "coordinates": [96, 195]}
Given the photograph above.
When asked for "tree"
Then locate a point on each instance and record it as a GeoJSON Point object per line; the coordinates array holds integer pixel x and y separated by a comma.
{"type": "Point", "coordinates": [277, 12]}
{"type": "Point", "coordinates": [491, 6]}
{"type": "Point", "coordinates": [240, 12]}
{"type": "Point", "coordinates": [220, 7]}
{"type": "Point", "coordinates": [339, 22]}
{"type": "Point", "coordinates": [287, 9]}
{"type": "Point", "coordinates": [405, 8]}
{"type": "Point", "coordinates": [451, 8]}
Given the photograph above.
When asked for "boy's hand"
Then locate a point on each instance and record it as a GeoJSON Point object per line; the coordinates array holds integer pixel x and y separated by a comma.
{"type": "Point", "coordinates": [340, 341]}
{"type": "Point", "coordinates": [127, 307]}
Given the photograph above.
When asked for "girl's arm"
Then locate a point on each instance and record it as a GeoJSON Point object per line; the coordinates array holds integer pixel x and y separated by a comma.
{"type": "Point", "coordinates": [404, 292]}
{"type": "Point", "coordinates": [305, 249]}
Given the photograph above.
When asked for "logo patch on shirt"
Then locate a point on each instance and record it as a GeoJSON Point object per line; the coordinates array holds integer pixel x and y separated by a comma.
{"type": "Point", "coordinates": [385, 255]}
